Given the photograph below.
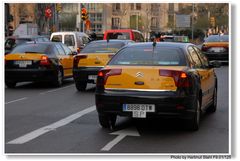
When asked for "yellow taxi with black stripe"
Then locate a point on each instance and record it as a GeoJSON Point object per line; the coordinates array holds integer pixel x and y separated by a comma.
{"type": "Point", "coordinates": [92, 58]}
{"type": "Point", "coordinates": [157, 80]}
{"type": "Point", "coordinates": [216, 47]}
{"type": "Point", "coordinates": [38, 62]}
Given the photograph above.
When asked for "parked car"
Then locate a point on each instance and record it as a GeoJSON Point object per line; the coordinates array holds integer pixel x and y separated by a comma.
{"type": "Point", "coordinates": [145, 80]}
{"type": "Point", "coordinates": [37, 62]}
{"type": "Point", "coordinates": [92, 58]}
{"type": "Point", "coordinates": [124, 34]}
{"type": "Point", "coordinates": [216, 47]}
{"type": "Point", "coordinates": [13, 41]}
{"type": "Point", "coordinates": [76, 41]}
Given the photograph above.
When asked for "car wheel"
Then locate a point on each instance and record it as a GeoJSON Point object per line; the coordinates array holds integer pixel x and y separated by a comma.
{"type": "Point", "coordinates": [213, 106]}
{"type": "Point", "coordinates": [107, 121]}
{"type": "Point", "coordinates": [59, 78]}
{"type": "Point", "coordinates": [193, 124]}
{"type": "Point", "coordinates": [81, 85]}
{"type": "Point", "coordinates": [10, 84]}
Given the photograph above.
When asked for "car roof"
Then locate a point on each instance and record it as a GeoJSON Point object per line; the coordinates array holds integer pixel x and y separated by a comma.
{"type": "Point", "coordinates": [69, 32]}
{"type": "Point", "coordinates": [112, 40]}
{"type": "Point", "coordinates": [44, 42]}
{"type": "Point", "coordinates": [160, 44]}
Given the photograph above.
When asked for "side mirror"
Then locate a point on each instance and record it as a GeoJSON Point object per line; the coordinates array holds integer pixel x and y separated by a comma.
{"type": "Point", "coordinates": [214, 64]}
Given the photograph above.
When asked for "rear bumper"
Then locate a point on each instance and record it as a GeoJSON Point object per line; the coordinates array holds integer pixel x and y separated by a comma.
{"type": "Point", "coordinates": [81, 74]}
{"type": "Point", "coordinates": [22, 75]}
{"type": "Point", "coordinates": [166, 103]}
{"type": "Point", "coordinates": [221, 56]}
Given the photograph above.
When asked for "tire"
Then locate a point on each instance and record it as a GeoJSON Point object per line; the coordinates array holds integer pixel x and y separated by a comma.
{"type": "Point", "coordinates": [213, 107]}
{"type": "Point", "coordinates": [81, 85]}
{"type": "Point", "coordinates": [10, 84]}
{"type": "Point", "coordinates": [193, 124]}
{"type": "Point", "coordinates": [59, 78]}
{"type": "Point", "coordinates": [107, 121]}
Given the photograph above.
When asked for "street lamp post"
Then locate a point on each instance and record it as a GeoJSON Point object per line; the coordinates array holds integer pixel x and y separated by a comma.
{"type": "Point", "coordinates": [192, 19]}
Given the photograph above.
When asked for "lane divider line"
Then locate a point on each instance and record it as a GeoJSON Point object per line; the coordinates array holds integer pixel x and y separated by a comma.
{"type": "Point", "coordinates": [56, 89]}
{"type": "Point", "coordinates": [36, 133]}
{"type": "Point", "coordinates": [20, 99]}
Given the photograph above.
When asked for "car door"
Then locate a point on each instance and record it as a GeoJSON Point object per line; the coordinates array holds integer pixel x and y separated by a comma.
{"type": "Point", "coordinates": [69, 41]}
{"type": "Point", "coordinates": [210, 71]}
{"type": "Point", "coordinates": [69, 59]}
{"type": "Point", "coordinates": [64, 60]}
{"type": "Point", "coordinates": [204, 75]}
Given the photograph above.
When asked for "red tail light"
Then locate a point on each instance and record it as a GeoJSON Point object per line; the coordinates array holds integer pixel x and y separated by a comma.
{"type": "Point", "coordinates": [44, 60]}
{"type": "Point", "coordinates": [110, 56]}
{"type": "Point", "coordinates": [205, 48]}
{"type": "Point", "coordinates": [105, 73]}
{"type": "Point", "coordinates": [181, 78]}
{"type": "Point", "coordinates": [77, 59]}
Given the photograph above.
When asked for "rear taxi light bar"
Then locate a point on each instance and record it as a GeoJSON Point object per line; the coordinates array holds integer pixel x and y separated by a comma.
{"type": "Point", "coordinates": [105, 73]}
{"type": "Point", "coordinates": [77, 58]}
{"type": "Point", "coordinates": [180, 78]}
{"type": "Point", "coordinates": [44, 60]}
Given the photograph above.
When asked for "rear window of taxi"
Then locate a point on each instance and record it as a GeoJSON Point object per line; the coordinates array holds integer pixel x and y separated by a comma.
{"type": "Point", "coordinates": [33, 48]}
{"type": "Point", "coordinates": [143, 56]}
{"type": "Point", "coordinates": [104, 47]}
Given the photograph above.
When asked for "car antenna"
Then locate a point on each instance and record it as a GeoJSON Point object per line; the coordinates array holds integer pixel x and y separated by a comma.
{"type": "Point", "coordinates": [107, 41]}
{"type": "Point", "coordinates": [154, 45]}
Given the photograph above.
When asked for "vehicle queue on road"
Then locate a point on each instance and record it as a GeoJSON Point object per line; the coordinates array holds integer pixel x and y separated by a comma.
{"type": "Point", "coordinates": [139, 80]}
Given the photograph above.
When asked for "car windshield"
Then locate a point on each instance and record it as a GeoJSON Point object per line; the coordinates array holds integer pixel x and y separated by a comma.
{"type": "Point", "coordinates": [103, 47]}
{"type": "Point", "coordinates": [32, 48]}
{"type": "Point", "coordinates": [217, 38]}
{"type": "Point", "coordinates": [149, 56]}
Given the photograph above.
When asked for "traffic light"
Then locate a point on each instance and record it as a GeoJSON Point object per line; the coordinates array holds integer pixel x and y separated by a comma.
{"type": "Point", "coordinates": [48, 12]}
{"type": "Point", "coordinates": [59, 7]}
{"type": "Point", "coordinates": [84, 14]}
{"type": "Point", "coordinates": [212, 21]}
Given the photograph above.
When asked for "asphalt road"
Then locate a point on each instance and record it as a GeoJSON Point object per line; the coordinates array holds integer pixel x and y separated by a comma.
{"type": "Point", "coordinates": [43, 119]}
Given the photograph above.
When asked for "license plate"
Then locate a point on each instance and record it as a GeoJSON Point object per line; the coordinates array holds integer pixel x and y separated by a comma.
{"type": "Point", "coordinates": [23, 63]}
{"type": "Point", "coordinates": [92, 77]}
{"type": "Point", "coordinates": [139, 110]}
{"type": "Point", "coordinates": [217, 49]}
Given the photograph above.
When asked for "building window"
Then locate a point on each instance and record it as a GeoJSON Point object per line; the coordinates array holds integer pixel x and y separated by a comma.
{"type": "Point", "coordinates": [138, 6]}
{"type": "Point", "coordinates": [154, 22]}
{"type": "Point", "coordinates": [115, 23]}
{"type": "Point", "coordinates": [132, 6]}
{"type": "Point", "coordinates": [171, 7]}
{"type": "Point", "coordinates": [116, 6]}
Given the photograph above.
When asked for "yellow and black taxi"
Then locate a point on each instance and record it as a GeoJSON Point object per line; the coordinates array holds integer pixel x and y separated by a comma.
{"type": "Point", "coordinates": [215, 47]}
{"type": "Point", "coordinates": [157, 80]}
{"type": "Point", "coordinates": [92, 58]}
{"type": "Point", "coordinates": [38, 61]}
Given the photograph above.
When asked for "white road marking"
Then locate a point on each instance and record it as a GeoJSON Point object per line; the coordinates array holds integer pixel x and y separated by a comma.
{"type": "Point", "coordinates": [56, 89]}
{"type": "Point", "coordinates": [121, 135]}
{"type": "Point", "coordinates": [36, 133]}
{"type": "Point", "coordinates": [20, 99]}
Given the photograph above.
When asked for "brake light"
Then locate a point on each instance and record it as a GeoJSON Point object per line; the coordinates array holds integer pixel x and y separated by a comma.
{"type": "Point", "coordinates": [44, 60]}
{"type": "Point", "coordinates": [205, 48]}
{"type": "Point", "coordinates": [105, 73]}
{"type": "Point", "coordinates": [180, 78]}
{"type": "Point", "coordinates": [110, 56]}
{"type": "Point", "coordinates": [77, 58]}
